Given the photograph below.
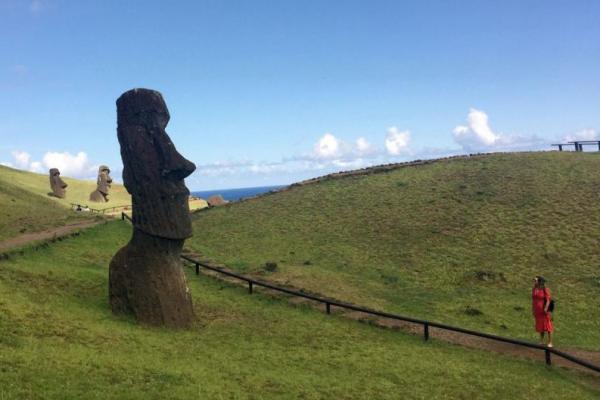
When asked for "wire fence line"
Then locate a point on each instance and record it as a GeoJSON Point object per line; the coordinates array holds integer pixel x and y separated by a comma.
{"type": "Point", "coordinates": [329, 303]}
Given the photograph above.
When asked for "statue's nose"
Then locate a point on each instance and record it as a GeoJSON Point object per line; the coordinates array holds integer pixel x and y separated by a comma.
{"type": "Point", "coordinates": [176, 166]}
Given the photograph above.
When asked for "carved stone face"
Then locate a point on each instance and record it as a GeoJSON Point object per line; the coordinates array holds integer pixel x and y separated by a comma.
{"type": "Point", "coordinates": [104, 180]}
{"type": "Point", "coordinates": [153, 170]}
{"type": "Point", "coordinates": [57, 184]}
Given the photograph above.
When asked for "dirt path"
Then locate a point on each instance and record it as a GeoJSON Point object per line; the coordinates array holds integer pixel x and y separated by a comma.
{"type": "Point", "coordinates": [469, 341]}
{"type": "Point", "coordinates": [475, 342]}
{"type": "Point", "coordinates": [48, 234]}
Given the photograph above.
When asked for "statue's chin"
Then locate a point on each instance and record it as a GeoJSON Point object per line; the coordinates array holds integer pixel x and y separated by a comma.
{"type": "Point", "coordinates": [163, 217]}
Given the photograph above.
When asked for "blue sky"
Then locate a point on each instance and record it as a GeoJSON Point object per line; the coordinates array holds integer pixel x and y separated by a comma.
{"type": "Point", "coordinates": [272, 92]}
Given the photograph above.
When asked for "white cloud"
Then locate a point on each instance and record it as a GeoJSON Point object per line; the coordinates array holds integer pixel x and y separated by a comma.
{"type": "Point", "coordinates": [350, 164]}
{"type": "Point", "coordinates": [396, 141]}
{"type": "Point", "coordinates": [331, 148]}
{"type": "Point", "coordinates": [584, 134]}
{"type": "Point", "coordinates": [363, 147]}
{"type": "Point", "coordinates": [329, 154]}
{"type": "Point", "coordinates": [477, 133]}
{"type": "Point", "coordinates": [21, 159]}
{"type": "Point", "coordinates": [36, 166]}
{"type": "Point", "coordinates": [76, 166]}
{"type": "Point", "coordinates": [328, 146]}
{"type": "Point", "coordinates": [6, 164]}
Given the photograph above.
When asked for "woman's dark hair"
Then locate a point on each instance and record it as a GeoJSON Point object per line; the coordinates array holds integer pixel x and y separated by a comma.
{"type": "Point", "coordinates": [541, 281]}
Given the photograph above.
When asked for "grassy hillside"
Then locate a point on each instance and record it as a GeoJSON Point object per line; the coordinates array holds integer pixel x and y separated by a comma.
{"type": "Point", "coordinates": [25, 206]}
{"type": "Point", "coordinates": [58, 340]}
{"type": "Point", "coordinates": [23, 212]}
{"type": "Point", "coordinates": [78, 191]}
{"type": "Point", "coordinates": [455, 241]}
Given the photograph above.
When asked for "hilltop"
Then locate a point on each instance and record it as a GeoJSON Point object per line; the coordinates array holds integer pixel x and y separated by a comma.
{"type": "Point", "coordinates": [456, 241]}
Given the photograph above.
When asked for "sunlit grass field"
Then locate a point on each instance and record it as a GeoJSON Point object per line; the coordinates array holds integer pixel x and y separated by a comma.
{"type": "Point", "coordinates": [457, 241]}
{"type": "Point", "coordinates": [22, 210]}
{"type": "Point", "coordinates": [78, 191]}
{"type": "Point", "coordinates": [59, 340]}
{"type": "Point", "coordinates": [25, 206]}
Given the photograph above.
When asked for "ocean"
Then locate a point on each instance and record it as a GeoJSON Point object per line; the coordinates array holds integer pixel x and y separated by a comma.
{"type": "Point", "coordinates": [236, 194]}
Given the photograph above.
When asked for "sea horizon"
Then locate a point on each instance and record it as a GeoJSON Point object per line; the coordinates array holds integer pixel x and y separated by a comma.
{"type": "Point", "coordinates": [235, 194]}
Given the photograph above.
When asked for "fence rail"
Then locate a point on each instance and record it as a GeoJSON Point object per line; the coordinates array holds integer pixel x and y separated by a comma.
{"type": "Point", "coordinates": [85, 207]}
{"type": "Point", "coordinates": [107, 209]}
{"type": "Point", "coordinates": [548, 351]}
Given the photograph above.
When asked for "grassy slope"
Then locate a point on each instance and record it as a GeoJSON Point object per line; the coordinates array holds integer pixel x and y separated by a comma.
{"type": "Point", "coordinates": [59, 340]}
{"type": "Point", "coordinates": [22, 212]}
{"type": "Point", "coordinates": [420, 240]}
{"type": "Point", "coordinates": [78, 191]}
{"type": "Point", "coordinates": [25, 206]}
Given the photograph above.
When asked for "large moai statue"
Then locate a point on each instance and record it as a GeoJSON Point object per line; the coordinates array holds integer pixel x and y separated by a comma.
{"type": "Point", "coordinates": [57, 185]}
{"type": "Point", "coordinates": [100, 195]}
{"type": "Point", "coordinates": [146, 277]}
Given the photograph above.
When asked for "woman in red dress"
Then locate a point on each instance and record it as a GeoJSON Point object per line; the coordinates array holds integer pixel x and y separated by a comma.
{"type": "Point", "coordinates": [541, 300]}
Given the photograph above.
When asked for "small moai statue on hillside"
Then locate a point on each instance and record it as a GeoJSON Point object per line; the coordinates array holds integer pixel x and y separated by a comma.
{"type": "Point", "coordinates": [57, 185]}
{"type": "Point", "coordinates": [100, 195]}
{"type": "Point", "coordinates": [146, 276]}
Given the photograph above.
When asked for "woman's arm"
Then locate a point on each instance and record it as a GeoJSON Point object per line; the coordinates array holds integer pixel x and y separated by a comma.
{"type": "Point", "coordinates": [546, 299]}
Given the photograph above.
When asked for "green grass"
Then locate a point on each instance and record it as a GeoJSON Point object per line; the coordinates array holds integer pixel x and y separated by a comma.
{"type": "Point", "coordinates": [59, 340]}
{"type": "Point", "coordinates": [78, 191]}
{"type": "Point", "coordinates": [434, 241]}
{"type": "Point", "coordinates": [25, 206]}
{"type": "Point", "coordinates": [22, 212]}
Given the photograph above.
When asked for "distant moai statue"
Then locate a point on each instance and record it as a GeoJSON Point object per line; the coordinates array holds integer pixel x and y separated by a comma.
{"type": "Point", "coordinates": [146, 276]}
{"type": "Point", "coordinates": [100, 195]}
{"type": "Point", "coordinates": [57, 185]}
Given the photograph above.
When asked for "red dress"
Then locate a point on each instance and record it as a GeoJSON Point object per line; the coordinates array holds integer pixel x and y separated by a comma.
{"type": "Point", "coordinates": [543, 320]}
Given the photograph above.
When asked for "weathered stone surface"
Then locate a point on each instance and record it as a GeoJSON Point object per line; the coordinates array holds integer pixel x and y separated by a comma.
{"type": "Point", "coordinates": [100, 195]}
{"type": "Point", "coordinates": [57, 185]}
{"type": "Point", "coordinates": [216, 200]}
{"type": "Point", "coordinates": [146, 277]}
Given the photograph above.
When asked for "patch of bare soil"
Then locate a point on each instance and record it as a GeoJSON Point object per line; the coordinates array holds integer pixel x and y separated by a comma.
{"type": "Point", "coordinates": [48, 234]}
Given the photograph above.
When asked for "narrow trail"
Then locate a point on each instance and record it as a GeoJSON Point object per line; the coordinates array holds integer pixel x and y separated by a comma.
{"type": "Point", "coordinates": [434, 333]}
{"type": "Point", "coordinates": [48, 234]}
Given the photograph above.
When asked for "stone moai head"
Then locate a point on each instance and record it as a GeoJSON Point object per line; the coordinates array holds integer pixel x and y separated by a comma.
{"type": "Point", "coordinates": [57, 185]}
{"type": "Point", "coordinates": [104, 180]}
{"type": "Point", "coordinates": [153, 170]}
